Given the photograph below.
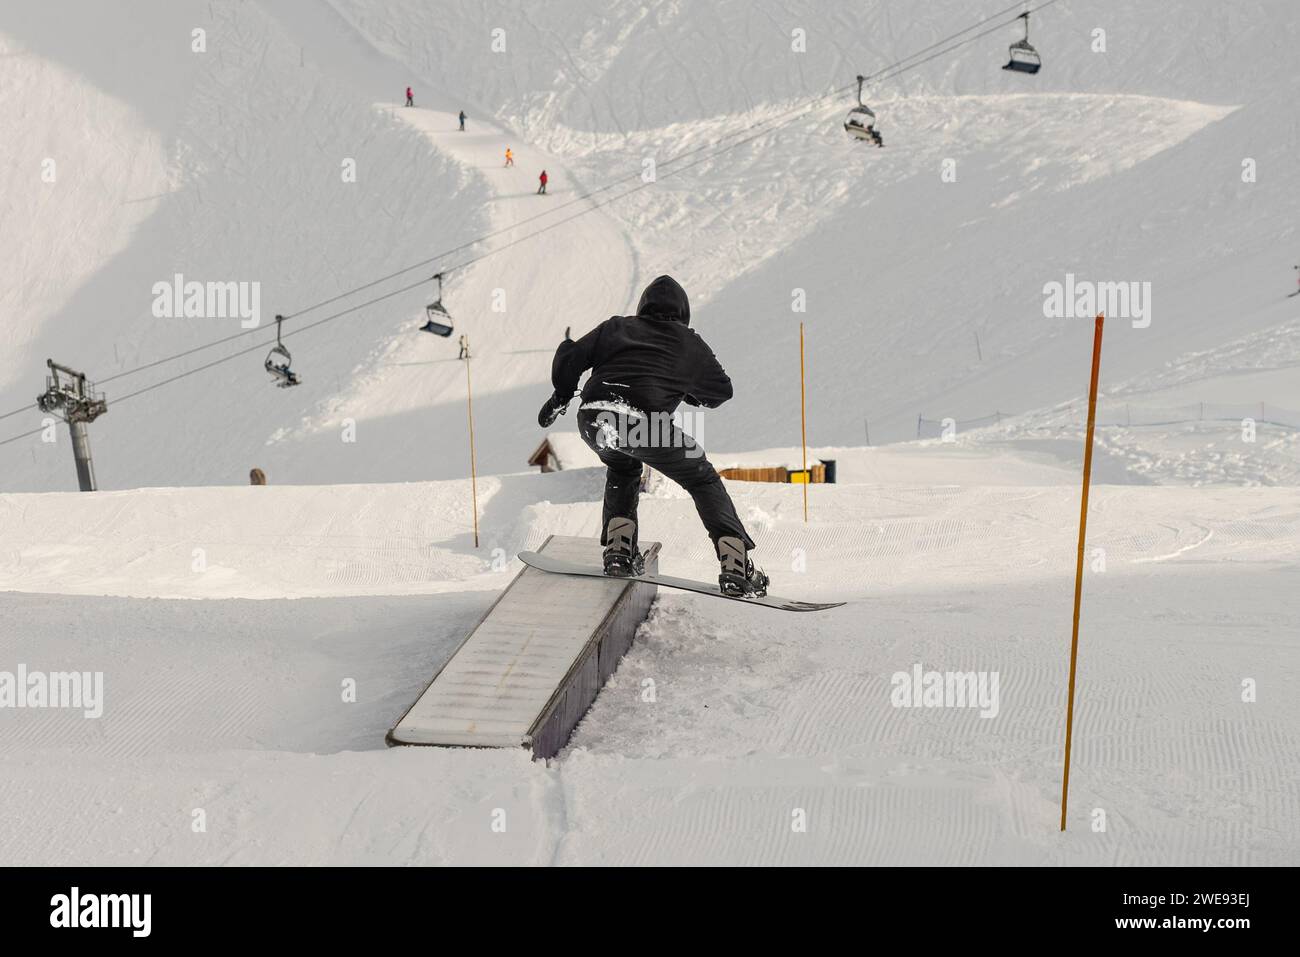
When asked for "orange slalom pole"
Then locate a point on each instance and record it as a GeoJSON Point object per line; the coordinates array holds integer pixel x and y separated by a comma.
{"type": "Point", "coordinates": [473, 468]}
{"type": "Point", "coordinates": [803, 425]}
{"type": "Point", "coordinates": [1078, 568]}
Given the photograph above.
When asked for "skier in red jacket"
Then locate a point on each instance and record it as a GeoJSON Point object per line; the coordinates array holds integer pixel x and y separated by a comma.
{"type": "Point", "coordinates": [541, 189]}
{"type": "Point", "coordinates": [410, 97]}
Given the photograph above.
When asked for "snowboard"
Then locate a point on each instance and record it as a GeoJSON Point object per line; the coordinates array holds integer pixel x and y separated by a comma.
{"type": "Point", "coordinates": [560, 567]}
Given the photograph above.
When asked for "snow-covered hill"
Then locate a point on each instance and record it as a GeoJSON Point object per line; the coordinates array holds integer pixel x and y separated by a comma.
{"type": "Point", "coordinates": [226, 618]}
{"type": "Point", "coordinates": [924, 296]}
{"type": "Point", "coordinates": [234, 703]}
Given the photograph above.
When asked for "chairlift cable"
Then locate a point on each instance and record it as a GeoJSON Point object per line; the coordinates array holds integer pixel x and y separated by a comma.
{"type": "Point", "coordinates": [793, 114]}
{"type": "Point", "coordinates": [898, 68]}
{"type": "Point", "coordinates": [261, 345]}
{"type": "Point", "coordinates": [15, 438]}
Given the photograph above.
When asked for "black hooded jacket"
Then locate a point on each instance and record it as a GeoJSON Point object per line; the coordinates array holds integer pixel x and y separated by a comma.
{"type": "Point", "coordinates": [652, 361]}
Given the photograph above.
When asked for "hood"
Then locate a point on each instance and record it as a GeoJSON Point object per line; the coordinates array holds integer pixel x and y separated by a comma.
{"type": "Point", "coordinates": [665, 299]}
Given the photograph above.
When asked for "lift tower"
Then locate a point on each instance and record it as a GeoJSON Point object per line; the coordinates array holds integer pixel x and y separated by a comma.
{"type": "Point", "coordinates": [74, 400]}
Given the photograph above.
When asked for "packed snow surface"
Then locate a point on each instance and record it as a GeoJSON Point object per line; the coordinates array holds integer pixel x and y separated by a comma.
{"type": "Point", "coordinates": [256, 643]}
{"type": "Point", "coordinates": [235, 704]}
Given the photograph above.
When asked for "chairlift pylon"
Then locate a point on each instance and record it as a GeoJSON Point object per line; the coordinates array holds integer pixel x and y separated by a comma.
{"type": "Point", "coordinates": [1023, 57]}
{"type": "Point", "coordinates": [861, 121]}
{"type": "Point", "coordinates": [278, 360]}
{"type": "Point", "coordinates": [437, 313]}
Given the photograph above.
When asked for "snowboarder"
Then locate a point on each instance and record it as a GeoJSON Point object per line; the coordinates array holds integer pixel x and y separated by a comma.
{"type": "Point", "coordinates": [541, 189]}
{"type": "Point", "coordinates": [642, 366]}
{"type": "Point", "coordinates": [410, 97]}
{"type": "Point", "coordinates": [462, 121]}
{"type": "Point", "coordinates": [510, 157]}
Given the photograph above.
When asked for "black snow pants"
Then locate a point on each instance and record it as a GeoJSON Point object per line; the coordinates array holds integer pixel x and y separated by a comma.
{"type": "Point", "coordinates": [624, 446]}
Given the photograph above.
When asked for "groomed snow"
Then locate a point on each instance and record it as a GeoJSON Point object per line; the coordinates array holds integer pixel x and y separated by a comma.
{"type": "Point", "coordinates": [236, 706]}
{"type": "Point", "coordinates": [256, 643]}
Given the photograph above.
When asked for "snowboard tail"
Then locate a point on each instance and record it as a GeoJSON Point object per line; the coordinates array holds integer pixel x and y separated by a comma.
{"type": "Point", "coordinates": [561, 567]}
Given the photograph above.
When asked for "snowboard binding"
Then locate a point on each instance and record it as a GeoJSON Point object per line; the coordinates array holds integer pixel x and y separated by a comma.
{"type": "Point", "coordinates": [740, 577]}
{"type": "Point", "coordinates": [622, 560]}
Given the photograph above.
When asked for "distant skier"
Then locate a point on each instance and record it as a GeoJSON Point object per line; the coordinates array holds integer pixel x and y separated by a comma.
{"type": "Point", "coordinates": [464, 347]}
{"type": "Point", "coordinates": [642, 366]}
{"type": "Point", "coordinates": [510, 157]}
{"type": "Point", "coordinates": [462, 121]}
{"type": "Point", "coordinates": [541, 189]}
{"type": "Point", "coordinates": [410, 97]}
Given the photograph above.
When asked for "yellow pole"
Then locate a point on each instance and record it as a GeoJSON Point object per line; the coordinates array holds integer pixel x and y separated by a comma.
{"type": "Point", "coordinates": [1078, 568]}
{"type": "Point", "coordinates": [803, 425]}
{"type": "Point", "coordinates": [473, 468]}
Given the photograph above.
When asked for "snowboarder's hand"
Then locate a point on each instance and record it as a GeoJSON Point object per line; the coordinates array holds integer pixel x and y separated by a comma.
{"type": "Point", "coordinates": [552, 409]}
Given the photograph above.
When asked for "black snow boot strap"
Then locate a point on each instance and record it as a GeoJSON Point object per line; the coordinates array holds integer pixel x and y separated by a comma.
{"type": "Point", "coordinates": [621, 557]}
{"type": "Point", "coordinates": [739, 577]}
{"type": "Point", "coordinates": [620, 536]}
{"type": "Point", "coordinates": [732, 555]}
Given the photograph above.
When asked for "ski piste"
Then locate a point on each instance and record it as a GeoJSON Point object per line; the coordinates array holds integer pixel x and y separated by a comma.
{"type": "Point", "coordinates": [559, 567]}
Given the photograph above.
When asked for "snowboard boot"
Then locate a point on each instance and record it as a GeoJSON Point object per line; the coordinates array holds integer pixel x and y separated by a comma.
{"type": "Point", "coordinates": [622, 560]}
{"type": "Point", "coordinates": [740, 578]}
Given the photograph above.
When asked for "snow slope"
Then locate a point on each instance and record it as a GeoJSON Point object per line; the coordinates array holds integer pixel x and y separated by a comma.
{"type": "Point", "coordinates": [1123, 165]}
{"type": "Point", "coordinates": [232, 623]}
{"type": "Point", "coordinates": [1115, 166]}
{"type": "Point", "coordinates": [233, 704]}
{"type": "Point", "coordinates": [118, 174]}
{"type": "Point", "coordinates": [254, 138]}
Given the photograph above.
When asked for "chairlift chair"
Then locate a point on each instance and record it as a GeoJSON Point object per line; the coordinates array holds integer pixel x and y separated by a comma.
{"type": "Point", "coordinates": [861, 121]}
{"type": "Point", "coordinates": [1023, 57]}
{"type": "Point", "coordinates": [278, 360]}
{"type": "Point", "coordinates": [440, 322]}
